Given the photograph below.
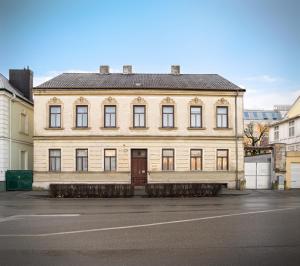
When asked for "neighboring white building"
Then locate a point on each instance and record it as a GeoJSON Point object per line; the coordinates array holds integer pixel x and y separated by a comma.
{"type": "Point", "coordinates": [16, 123]}
{"type": "Point", "coordinates": [288, 129]}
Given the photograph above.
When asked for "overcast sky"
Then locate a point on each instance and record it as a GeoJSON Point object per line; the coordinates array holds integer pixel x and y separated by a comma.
{"type": "Point", "coordinates": [254, 43]}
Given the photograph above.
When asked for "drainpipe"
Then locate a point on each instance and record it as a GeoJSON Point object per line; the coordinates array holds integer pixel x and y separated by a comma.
{"type": "Point", "coordinates": [11, 99]}
{"type": "Point", "coordinates": [236, 145]}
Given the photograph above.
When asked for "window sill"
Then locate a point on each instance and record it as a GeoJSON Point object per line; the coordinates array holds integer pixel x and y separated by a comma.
{"type": "Point", "coordinates": [109, 128]}
{"type": "Point", "coordinates": [81, 128]}
{"type": "Point", "coordinates": [223, 128]}
{"type": "Point", "coordinates": [54, 128]}
{"type": "Point", "coordinates": [139, 128]}
{"type": "Point", "coordinates": [196, 128]}
{"type": "Point", "coordinates": [23, 133]}
{"type": "Point", "coordinates": [167, 128]}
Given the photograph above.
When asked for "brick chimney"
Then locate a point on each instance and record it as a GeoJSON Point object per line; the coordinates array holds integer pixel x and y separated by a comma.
{"type": "Point", "coordinates": [22, 80]}
{"type": "Point", "coordinates": [104, 69]}
{"type": "Point", "coordinates": [127, 69]}
{"type": "Point", "coordinates": [175, 69]}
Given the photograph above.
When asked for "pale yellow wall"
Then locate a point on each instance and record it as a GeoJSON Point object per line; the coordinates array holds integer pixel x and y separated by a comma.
{"type": "Point", "coordinates": [295, 109]}
{"type": "Point", "coordinates": [291, 157]}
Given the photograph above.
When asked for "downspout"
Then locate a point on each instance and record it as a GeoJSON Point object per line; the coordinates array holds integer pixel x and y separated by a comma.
{"type": "Point", "coordinates": [237, 185]}
{"type": "Point", "coordinates": [11, 99]}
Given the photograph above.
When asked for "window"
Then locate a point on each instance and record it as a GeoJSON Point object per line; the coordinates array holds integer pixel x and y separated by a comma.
{"type": "Point", "coordinates": [291, 128]}
{"type": "Point", "coordinates": [110, 116]}
{"type": "Point", "coordinates": [54, 116]}
{"type": "Point", "coordinates": [81, 116]}
{"type": "Point", "coordinates": [139, 116]}
{"type": "Point", "coordinates": [196, 160]}
{"type": "Point", "coordinates": [24, 123]}
{"type": "Point", "coordinates": [276, 133]}
{"type": "Point", "coordinates": [167, 159]}
{"type": "Point", "coordinates": [24, 160]}
{"type": "Point", "coordinates": [110, 160]}
{"type": "Point", "coordinates": [222, 117]}
{"type": "Point", "coordinates": [167, 116]}
{"type": "Point", "coordinates": [81, 160]}
{"type": "Point", "coordinates": [196, 117]}
{"type": "Point", "coordinates": [54, 160]}
{"type": "Point", "coordinates": [222, 159]}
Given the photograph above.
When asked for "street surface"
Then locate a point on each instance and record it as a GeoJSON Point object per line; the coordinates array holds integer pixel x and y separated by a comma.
{"type": "Point", "coordinates": [262, 228]}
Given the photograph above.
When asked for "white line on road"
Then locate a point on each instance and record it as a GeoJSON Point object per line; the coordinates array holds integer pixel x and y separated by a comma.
{"type": "Point", "coordinates": [18, 217]}
{"type": "Point", "coordinates": [146, 225]}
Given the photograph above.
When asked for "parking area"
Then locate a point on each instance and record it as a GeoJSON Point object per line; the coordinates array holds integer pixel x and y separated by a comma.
{"type": "Point", "coordinates": [260, 228]}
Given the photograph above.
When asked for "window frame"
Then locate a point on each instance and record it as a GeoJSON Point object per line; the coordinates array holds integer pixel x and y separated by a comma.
{"type": "Point", "coordinates": [200, 115]}
{"type": "Point", "coordinates": [292, 128]}
{"type": "Point", "coordinates": [56, 157]}
{"type": "Point", "coordinates": [168, 164]}
{"type": "Point", "coordinates": [50, 106]}
{"type": "Point", "coordinates": [276, 133]}
{"type": "Point", "coordinates": [227, 157]}
{"type": "Point", "coordinates": [104, 114]}
{"type": "Point", "coordinates": [104, 156]}
{"type": "Point", "coordinates": [201, 159]}
{"type": "Point", "coordinates": [87, 115]}
{"type": "Point", "coordinates": [87, 159]}
{"type": "Point", "coordinates": [173, 116]}
{"type": "Point", "coordinates": [227, 116]}
{"type": "Point", "coordinates": [134, 113]}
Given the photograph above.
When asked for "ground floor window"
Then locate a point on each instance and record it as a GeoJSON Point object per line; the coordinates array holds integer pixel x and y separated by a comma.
{"type": "Point", "coordinates": [196, 159]}
{"type": "Point", "coordinates": [54, 160]}
{"type": "Point", "coordinates": [222, 159]}
{"type": "Point", "coordinates": [110, 160]}
{"type": "Point", "coordinates": [168, 159]}
{"type": "Point", "coordinates": [82, 160]}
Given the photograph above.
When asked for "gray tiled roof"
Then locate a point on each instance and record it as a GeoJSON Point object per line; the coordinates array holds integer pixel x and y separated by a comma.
{"type": "Point", "coordinates": [139, 81]}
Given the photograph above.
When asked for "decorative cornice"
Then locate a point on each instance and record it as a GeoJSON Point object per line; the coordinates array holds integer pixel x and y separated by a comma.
{"type": "Point", "coordinates": [195, 101]}
{"type": "Point", "coordinates": [55, 100]}
{"type": "Point", "coordinates": [110, 101]}
{"type": "Point", "coordinates": [82, 100]}
{"type": "Point", "coordinates": [139, 100]}
{"type": "Point", "coordinates": [168, 100]}
{"type": "Point", "coordinates": [222, 101]}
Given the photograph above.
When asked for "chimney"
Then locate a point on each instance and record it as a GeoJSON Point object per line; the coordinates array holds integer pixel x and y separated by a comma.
{"type": "Point", "coordinates": [104, 69]}
{"type": "Point", "coordinates": [127, 69]}
{"type": "Point", "coordinates": [22, 80]}
{"type": "Point", "coordinates": [175, 69]}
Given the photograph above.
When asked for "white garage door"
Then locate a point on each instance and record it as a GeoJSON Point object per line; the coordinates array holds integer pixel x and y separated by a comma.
{"type": "Point", "coordinates": [295, 175]}
{"type": "Point", "coordinates": [258, 175]}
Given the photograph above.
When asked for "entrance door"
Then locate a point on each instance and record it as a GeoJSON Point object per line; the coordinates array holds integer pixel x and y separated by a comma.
{"type": "Point", "coordinates": [138, 167]}
{"type": "Point", "coordinates": [295, 175]}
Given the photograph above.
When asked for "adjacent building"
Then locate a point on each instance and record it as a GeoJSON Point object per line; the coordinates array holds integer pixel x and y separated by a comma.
{"type": "Point", "coordinates": [287, 132]}
{"type": "Point", "coordinates": [16, 122]}
{"type": "Point", "coordinates": [131, 128]}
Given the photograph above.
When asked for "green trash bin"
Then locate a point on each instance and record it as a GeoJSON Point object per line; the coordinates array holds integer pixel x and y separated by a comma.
{"type": "Point", "coordinates": [18, 180]}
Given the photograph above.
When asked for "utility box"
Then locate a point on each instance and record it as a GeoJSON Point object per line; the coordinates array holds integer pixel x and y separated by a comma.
{"type": "Point", "coordinates": [18, 180]}
{"type": "Point", "coordinates": [280, 180]}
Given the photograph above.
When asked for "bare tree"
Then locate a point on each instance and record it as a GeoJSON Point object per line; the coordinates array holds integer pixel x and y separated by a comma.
{"type": "Point", "coordinates": [254, 134]}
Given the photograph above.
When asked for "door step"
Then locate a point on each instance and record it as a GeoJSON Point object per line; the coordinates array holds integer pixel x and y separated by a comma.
{"type": "Point", "coordinates": [139, 191]}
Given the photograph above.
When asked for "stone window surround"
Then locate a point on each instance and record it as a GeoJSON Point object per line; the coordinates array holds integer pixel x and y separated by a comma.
{"type": "Point", "coordinates": [57, 102]}
{"type": "Point", "coordinates": [78, 102]}
{"type": "Point", "coordinates": [109, 101]}
{"type": "Point", "coordinates": [168, 101]}
{"type": "Point", "coordinates": [26, 121]}
{"type": "Point", "coordinates": [139, 101]}
{"type": "Point", "coordinates": [222, 102]}
{"type": "Point", "coordinates": [196, 102]}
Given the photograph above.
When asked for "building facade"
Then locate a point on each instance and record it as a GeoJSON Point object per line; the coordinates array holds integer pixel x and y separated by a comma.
{"type": "Point", "coordinates": [16, 123]}
{"type": "Point", "coordinates": [287, 131]}
{"type": "Point", "coordinates": [131, 128]}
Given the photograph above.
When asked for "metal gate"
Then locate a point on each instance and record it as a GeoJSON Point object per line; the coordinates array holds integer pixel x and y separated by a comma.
{"type": "Point", "coordinates": [295, 175]}
{"type": "Point", "coordinates": [18, 180]}
{"type": "Point", "coordinates": [258, 175]}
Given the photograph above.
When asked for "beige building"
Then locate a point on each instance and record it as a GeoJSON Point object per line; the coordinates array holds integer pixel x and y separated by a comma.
{"type": "Point", "coordinates": [16, 123]}
{"type": "Point", "coordinates": [138, 128]}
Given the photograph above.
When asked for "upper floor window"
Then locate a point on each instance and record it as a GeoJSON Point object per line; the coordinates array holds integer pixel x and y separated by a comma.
{"type": "Point", "coordinates": [196, 159]}
{"type": "Point", "coordinates": [167, 116]}
{"type": "Point", "coordinates": [139, 116]}
{"type": "Point", "coordinates": [24, 127]}
{"type": "Point", "coordinates": [81, 116]}
{"type": "Point", "coordinates": [196, 117]}
{"type": "Point", "coordinates": [276, 133]}
{"type": "Point", "coordinates": [110, 115]}
{"type": "Point", "coordinates": [222, 117]}
{"type": "Point", "coordinates": [222, 159]}
{"type": "Point", "coordinates": [110, 160]}
{"type": "Point", "coordinates": [81, 160]}
{"type": "Point", "coordinates": [291, 128]}
{"type": "Point", "coordinates": [168, 159]}
{"type": "Point", "coordinates": [55, 116]}
{"type": "Point", "coordinates": [54, 160]}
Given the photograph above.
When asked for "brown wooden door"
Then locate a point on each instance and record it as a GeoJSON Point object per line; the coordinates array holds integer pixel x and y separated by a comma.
{"type": "Point", "coordinates": [139, 167]}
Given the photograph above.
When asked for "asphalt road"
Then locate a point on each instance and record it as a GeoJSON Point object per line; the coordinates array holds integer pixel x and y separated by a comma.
{"type": "Point", "coordinates": [262, 228]}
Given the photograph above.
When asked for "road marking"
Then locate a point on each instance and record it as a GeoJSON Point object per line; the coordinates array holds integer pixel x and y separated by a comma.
{"type": "Point", "coordinates": [18, 217]}
{"type": "Point", "coordinates": [146, 225]}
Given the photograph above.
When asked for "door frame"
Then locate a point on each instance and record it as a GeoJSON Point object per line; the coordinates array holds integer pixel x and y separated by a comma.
{"type": "Point", "coordinates": [131, 151]}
